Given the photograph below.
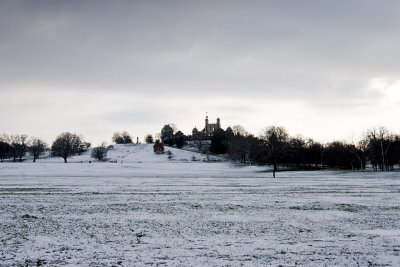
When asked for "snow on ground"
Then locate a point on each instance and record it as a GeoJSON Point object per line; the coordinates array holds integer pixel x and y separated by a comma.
{"type": "Point", "coordinates": [148, 209]}
{"type": "Point", "coordinates": [133, 153]}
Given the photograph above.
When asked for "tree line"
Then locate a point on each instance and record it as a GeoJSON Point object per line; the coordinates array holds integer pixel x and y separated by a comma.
{"type": "Point", "coordinates": [274, 146]}
{"type": "Point", "coordinates": [378, 147]}
{"type": "Point", "coordinates": [16, 146]}
{"type": "Point", "coordinates": [67, 144]}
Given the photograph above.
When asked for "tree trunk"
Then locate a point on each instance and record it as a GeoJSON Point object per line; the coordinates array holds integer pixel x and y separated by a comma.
{"type": "Point", "coordinates": [383, 157]}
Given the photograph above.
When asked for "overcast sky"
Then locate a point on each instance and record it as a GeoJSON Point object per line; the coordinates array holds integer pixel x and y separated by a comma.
{"type": "Point", "coordinates": [324, 69]}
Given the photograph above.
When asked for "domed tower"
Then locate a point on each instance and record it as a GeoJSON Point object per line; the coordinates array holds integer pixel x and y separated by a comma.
{"type": "Point", "coordinates": [206, 128]}
{"type": "Point", "coordinates": [218, 124]}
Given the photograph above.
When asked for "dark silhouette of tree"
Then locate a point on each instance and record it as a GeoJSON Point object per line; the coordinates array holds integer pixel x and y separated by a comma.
{"type": "Point", "coordinates": [5, 147]}
{"type": "Point", "coordinates": [122, 138]}
{"type": "Point", "coordinates": [276, 141]}
{"type": "Point", "coordinates": [238, 148]}
{"type": "Point", "coordinates": [66, 145]}
{"type": "Point", "coordinates": [313, 154]}
{"type": "Point", "coordinates": [394, 152]}
{"type": "Point", "coordinates": [19, 146]}
{"type": "Point", "coordinates": [167, 135]}
{"type": "Point", "coordinates": [219, 143]}
{"type": "Point", "coordinates": [239, 130]}
{"type": "Point", "coordinates": [100, 152]}
{"type": "Point", "coordinates": [379, 148]}
{"type": "Point", "coordinates": [117, 138]}
{"type": "Point", "coordinates": [179, 139]}
{"type": "Point", "coordinates": [149, 139]}
{"type": "Point", "coordinates": [257, 150]}
{"type": "Point", "coordinates": [37, 147]}
{"type": "Point", "coordinates": [359, 150]}
{"type": "Point", "coordinates": [297, 150]}
{"type": "Point", "coordinates": [341, 155]}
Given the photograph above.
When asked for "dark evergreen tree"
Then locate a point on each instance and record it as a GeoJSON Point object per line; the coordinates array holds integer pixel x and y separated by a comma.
{"type": "Point", "coordinates": [149, 139]}
{"type": "Point", "coordinates": [179, 139]}
{"type": "Point", "coordinates": [167, 135]}
{"type": "Point", "coordinates": [219, 143]}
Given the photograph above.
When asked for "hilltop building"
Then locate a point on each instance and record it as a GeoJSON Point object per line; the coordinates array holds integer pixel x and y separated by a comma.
{"type": "Point", "coordinates": [209, 129]}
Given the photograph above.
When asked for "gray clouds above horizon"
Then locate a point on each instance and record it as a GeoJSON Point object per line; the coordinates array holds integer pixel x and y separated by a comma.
{"type": "Point", "coordinates": [323, 54]}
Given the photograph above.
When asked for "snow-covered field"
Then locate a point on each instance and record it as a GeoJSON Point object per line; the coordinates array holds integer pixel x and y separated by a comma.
{"type": "Point", "coordinates": [148, 209]}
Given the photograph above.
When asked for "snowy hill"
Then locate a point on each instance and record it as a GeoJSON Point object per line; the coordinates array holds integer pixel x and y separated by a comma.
{"type": "Point", "coordinates": [133, 160]}
{"type": "Point", "coordinates": [138, 153]}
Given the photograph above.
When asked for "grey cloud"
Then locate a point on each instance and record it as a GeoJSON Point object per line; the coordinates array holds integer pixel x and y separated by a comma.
{"type": "Point", "coordinates": [297, 46]}
{"type": "Point", "coordinates": [322, 53]}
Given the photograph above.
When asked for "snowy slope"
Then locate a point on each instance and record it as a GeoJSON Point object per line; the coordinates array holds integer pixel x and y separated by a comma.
{"type": "Point", "coordinates": [136, 153]}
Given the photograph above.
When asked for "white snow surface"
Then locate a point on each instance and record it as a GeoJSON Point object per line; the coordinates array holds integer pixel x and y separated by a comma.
{"type": "Point", "coordinates": [147, 209]}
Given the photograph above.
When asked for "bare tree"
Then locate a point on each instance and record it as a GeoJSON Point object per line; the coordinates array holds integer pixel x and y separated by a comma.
{"type": "Point", "coordinates": [359, 151]}
{"type": "Point", "coordinates": [239, 130]}
{"type": "Point", "coordinates": [379, 142]}
{"type": "Point", "coordinates": [275, 139]}
{"type": "Point", "coordinates": [100, 152]}
{"type": "Point", "coordinates": [66, 145]}
{"type": "Point", "coordinates": [174, 127]}
{"type": "Point", "coordinates": [37, 147]}
{"type": "Point", "coordinates": [384, 141]}
{"type": "Point", "coordinates": [19, 146]}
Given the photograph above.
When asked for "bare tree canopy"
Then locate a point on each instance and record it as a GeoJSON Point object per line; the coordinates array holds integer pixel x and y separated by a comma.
{"type": "Point", "coordinates": [66, 145]}
{"type": "Point", "coordinates": [239, 130]}
{"type": "Point", "coordinates": [173, 126]}
{"type": "Point", "coordinates": [122, 138]}
{"type": "Point", "coordinates": [37, 147]}
{"type": "Point", "coordinates": [275, 139]}
{"type": "Point", "coordinates": [19, 146]}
